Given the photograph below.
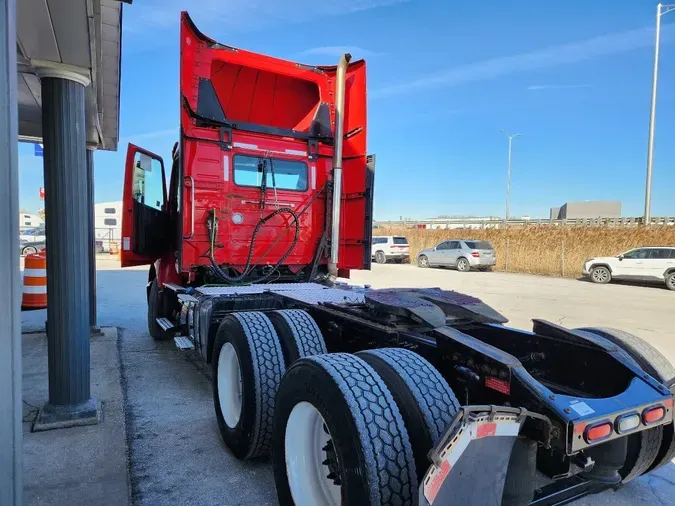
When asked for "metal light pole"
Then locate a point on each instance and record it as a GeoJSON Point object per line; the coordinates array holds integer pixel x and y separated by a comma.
{"type": "Point", "coordinates": [508, 176]}
{"type": "Point", "coordinates": [660, 11]}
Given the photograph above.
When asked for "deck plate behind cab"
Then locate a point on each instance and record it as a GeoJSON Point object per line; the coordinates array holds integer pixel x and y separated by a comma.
{"type": "Point", "coordinates": [433, 306]}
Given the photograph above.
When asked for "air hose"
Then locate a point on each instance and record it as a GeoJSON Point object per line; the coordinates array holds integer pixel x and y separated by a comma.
{"type": "Point", "coordinates": [224, 276]}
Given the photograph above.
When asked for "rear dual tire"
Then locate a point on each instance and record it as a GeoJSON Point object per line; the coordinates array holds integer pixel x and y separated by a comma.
{"type": "Point", "coordinates": [374, 416]}
{"type": "Point", "coordinates": [250, 355]}
{"type": "Point", "coordinates": [652, 448]}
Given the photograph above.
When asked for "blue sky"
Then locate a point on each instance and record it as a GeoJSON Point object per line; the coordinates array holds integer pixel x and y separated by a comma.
{"type": "Point", "coordinates": [574, 78]}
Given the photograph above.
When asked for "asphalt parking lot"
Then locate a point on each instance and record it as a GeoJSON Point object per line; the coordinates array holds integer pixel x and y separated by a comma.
{"type": "Point", "coordinates": [175, 452]}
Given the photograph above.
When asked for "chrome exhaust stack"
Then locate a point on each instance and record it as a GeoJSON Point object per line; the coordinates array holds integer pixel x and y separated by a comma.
{"type": "Point", "coordinates": [340, 86]}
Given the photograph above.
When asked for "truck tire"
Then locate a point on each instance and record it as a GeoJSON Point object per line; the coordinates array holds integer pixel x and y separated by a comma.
{"type": "Point", "coordinates": [657, 366]}
{"type": "Point", "coordinates": [298, 333]}
{"type": "Point", "coordinates": [339, 437]}
{"type": "Point", "coordinates": [156, 310]}
{"type": "Point", "coordinates": [426, 402]}
{"type": "Point", "coordinates": [247, 368]}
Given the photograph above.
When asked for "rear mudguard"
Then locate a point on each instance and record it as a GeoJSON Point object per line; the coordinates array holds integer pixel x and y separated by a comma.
{"type": "Point", "coordinates": [475, 459]}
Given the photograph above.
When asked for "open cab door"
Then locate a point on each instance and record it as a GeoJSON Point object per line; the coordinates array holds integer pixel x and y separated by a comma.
{"type": "Point", "coordinates": [145, 220]}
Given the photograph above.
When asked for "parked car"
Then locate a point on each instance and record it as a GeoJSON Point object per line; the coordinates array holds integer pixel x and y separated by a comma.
{"type": "Point", "coordinates": [465, 254]}
{"type": "Point", "coordinates": [33, 235]}
{"type": "Point", "coordinates": [644, 264]}
{"type": "Point", "coordinates": [390, 247]}
{"type": "Point", "coordinates": [30, 247]}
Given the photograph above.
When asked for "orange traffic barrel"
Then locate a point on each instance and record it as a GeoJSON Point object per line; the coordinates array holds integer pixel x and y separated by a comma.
{"type": "Point", "coordinates": [35, 281]}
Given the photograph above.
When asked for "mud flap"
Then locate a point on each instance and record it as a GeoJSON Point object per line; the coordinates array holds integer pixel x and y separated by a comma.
{"type": "Point", "coordinates": [471, 462]}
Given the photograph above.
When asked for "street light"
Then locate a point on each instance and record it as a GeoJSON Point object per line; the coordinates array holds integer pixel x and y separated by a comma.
{"type": "Point", "coordinates": [508, 176]}
{"type": "Point", "coordinates": [660, 11]}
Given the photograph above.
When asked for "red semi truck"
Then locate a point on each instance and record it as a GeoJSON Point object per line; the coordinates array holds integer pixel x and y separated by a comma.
{"type": "Point", "coordinates": [361, 396]}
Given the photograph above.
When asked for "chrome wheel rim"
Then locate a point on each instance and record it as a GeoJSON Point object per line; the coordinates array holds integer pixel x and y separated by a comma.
{"type": "Point", "coordinates": [600, 275]}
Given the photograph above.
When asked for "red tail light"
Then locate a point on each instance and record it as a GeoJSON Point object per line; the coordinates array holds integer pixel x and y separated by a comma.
{"type": "Point", "coordinates": [598, 432]}
{"type": "Point", "coordinates": [475, 254]}
{"type": "Point", "coordinates": [653, 415]}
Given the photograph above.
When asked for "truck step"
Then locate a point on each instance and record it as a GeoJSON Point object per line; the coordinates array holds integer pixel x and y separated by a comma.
{"type": "Point", "coordinates": [183, 343]}
{"type": "Point", "coordinates": [185, 298]}
{"type": "Point", "coordinates": [164, 323]}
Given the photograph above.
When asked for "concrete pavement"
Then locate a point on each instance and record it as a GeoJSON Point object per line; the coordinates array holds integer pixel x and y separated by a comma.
{"type": "Point", "coordinates": [80, 465]}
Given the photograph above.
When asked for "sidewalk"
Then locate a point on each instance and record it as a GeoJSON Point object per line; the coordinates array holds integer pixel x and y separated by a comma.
{"type": "Point", "coordinates": [81, 465]}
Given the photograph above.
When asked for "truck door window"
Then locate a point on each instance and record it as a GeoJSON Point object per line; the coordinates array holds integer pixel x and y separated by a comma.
{"type": "Point", "coordinates": [288, 174]}
{"type": "Point", "coordinates": [148, 186]}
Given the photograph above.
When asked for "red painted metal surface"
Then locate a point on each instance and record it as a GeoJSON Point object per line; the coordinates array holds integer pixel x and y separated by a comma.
{"type": "Point", "coordinates": [265, 91]}
{"type": "Point", "coordinates": [127, 256]}
{"type": "Point", "coordinates": [233, 104]}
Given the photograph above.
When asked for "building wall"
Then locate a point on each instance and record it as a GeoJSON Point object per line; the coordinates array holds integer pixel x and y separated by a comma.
{"type": "Point", "coordinates": [590, 209]}
{"type": "Point", "coordinates": [27, 221]}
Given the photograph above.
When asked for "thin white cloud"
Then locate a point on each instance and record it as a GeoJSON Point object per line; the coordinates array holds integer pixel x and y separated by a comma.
{"type": "Point", "coordinates": [149, 135]}
{"type": "Point", "coordinates": [596, 47]}
{"type": "Point", "coordinates": [338, 51]}
{"type": "Point", "coordinates": [238, 15]}
{"type": "Point", "coordinates": [544, 87]}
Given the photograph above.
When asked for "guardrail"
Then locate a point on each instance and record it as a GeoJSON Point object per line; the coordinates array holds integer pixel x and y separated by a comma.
{"type": "Point", "coordinates": [484, 223]}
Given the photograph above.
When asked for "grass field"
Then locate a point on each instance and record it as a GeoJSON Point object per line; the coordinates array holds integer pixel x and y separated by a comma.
{"type": "Point", "coordinates": [546, 250]}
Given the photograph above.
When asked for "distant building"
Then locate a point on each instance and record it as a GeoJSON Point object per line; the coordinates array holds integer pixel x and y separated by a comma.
{"type": "Point", "coordinates": [108, 223]}
{"type": "Point", "coordinates": [27, 221]}
{"type": "Point", "coordinates": [587, 209]}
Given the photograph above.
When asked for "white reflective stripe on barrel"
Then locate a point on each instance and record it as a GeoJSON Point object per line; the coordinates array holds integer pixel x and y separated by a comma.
{"type": "Point", "coordinates": [35, 290]}
{"type": "Point", "coordinates": [35, 273]}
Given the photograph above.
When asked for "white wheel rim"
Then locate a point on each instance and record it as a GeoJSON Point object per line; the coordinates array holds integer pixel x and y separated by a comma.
{"type": "Point", "coordinates": [229, 385]}
{"type": "Point", "coordinates": [304, 442]}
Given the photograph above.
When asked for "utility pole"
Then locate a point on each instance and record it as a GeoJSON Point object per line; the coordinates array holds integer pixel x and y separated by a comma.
{"type": "Point", "coordinates": [508, 177]}
{"type": "Point", "coordinates": [660, 11]}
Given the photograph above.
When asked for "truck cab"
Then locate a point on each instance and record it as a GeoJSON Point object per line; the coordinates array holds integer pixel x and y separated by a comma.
{"type": "Point", "coordinates": [249, 193]}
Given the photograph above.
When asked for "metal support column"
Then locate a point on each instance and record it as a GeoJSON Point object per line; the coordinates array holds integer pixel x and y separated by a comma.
{"type": "Point", "coordinates": [67, 230]}
{"type": "Point", "coordinates": [93, 325]}
{"type": "Point", "coordinates": [11, 429]}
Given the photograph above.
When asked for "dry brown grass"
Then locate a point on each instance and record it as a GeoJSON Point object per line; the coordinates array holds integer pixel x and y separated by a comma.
{"type": "Point", "coordinates": [539, 249]}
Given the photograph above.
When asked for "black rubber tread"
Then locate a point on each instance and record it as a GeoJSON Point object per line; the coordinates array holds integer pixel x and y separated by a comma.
{"type": "Point", "coordinates": [298, 333]}
{"type": "Point", "coordinates": [656, 365]}
{"type": "Point", "coordinates": [642, 450]}
{"type": "Point", "coordinates": [262, 367]}
{"type": "Point", "coordinates": [365, 424]}
{"type": "Point", "coordinates": [521, 475]}
{"type": "Point", "coordinates": [426, 401]}
{"type": "Point", "coordinates": [155, 310]}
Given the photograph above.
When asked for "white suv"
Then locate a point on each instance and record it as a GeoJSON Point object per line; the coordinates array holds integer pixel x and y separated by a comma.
{"type": "Point", "coordinates": [647, 264]}
{"type": "Point", "coordinates": [390, 247]}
